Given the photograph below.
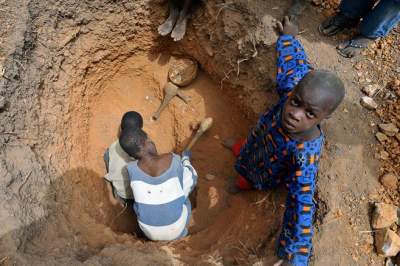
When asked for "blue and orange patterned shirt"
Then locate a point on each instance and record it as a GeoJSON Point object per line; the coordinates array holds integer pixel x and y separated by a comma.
{"type": "Point", "coordinates": [270, 158]}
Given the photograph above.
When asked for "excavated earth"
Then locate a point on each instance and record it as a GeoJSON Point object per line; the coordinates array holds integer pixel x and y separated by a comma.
{"type": "Point", "coordinates": [72, 68]}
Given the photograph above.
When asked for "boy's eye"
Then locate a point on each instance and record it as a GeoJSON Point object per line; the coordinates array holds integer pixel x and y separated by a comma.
{"type": "Point", "coordinates": [310, 114]}
{"type": "Point", "coordinates": [294, 102]}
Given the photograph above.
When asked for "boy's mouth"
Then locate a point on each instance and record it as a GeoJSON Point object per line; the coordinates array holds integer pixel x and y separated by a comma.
{"type": "Point", "coordinates": [288, 124]}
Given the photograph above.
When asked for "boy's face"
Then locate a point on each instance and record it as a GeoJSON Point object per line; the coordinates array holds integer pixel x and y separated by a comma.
{"type": "Point", "coordinates": [150, 147]}
{"type": "Point", "coordinates": [304, 109]}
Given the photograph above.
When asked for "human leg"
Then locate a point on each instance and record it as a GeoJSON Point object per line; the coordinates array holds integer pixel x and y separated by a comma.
{"type": "Point", "coordinates": [377, 23]}
{"type": "Point", "coordinates": [381, 20]}
{"type": "Point", "coordinates": [180, 26]}
{"type": "Point", "coordinates": [168, 25]}
{"type": "Point", "coordinates": [350, 12]}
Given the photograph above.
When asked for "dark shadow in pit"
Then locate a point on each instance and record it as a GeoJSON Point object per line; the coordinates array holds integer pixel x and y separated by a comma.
{"type": "Point", "coordinates": [81, 195]}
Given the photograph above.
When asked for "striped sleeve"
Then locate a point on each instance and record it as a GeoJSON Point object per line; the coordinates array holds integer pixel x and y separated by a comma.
{"type": "Point", "coordinates": [189, 176]}
{"type": "Point", "coordinates": [292, 64]}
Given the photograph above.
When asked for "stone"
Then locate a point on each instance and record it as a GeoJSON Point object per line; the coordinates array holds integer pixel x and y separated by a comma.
{"type": "Point", "coordinates": [370, 90]}
{"type": "Point", "coordinates": [384, 155]}
{"type": "Point", "coordinates": [398, 136]}
{"type": "Point", "coordinates": [384, 215]}
{"type": "Point", "coordinates": [210, 177]}
{"type": "Point", "coordinates": [182, 71]}
{"type": "Point", "coordinates": [381, 137]}
{"type": "Point", "coordinates": [368, 103]}
{"type": "Point", "coordinates": [2, 102]}
{"type": "Point", "coordinates": [389, 181]}
{"type": "Point", "coordinates": [388, 129]}
{"type": "Point", "coordinates": [387, 243]}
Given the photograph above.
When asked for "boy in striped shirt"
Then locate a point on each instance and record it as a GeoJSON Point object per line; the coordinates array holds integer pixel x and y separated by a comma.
{"type": "Point", "coordinates": [161, 184]}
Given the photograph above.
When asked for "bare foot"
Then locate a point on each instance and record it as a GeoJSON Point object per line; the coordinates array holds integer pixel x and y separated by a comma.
{"type": "Point", "coordinates": [353, 47]}
{"type": "Point", "coordinates": [180, 28]}
{"type": "Point", "coordinates": [228, 143]}
{"type": "Point", "coordinates": [165, 28]}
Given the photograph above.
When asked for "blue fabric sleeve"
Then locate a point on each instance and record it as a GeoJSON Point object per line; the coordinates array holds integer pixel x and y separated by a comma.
{"type": "Point", "coordinates": [292, 63]}
{"type": "Point", "coordinates": [296, 237]}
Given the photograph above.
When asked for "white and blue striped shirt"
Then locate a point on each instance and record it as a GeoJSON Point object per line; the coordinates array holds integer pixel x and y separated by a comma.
{"type": "Point", "coordinates": [162, 204]}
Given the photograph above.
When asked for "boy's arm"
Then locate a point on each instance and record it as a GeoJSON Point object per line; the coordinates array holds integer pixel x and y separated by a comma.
{"type": "Point", "coordinates": [189, 174]}
{"type": "Point", "coordinates": [292, 64]}
{"type": "Point", "coordinates": [297, 230]}
{"type": "Point", "coordinates": [110, 194]}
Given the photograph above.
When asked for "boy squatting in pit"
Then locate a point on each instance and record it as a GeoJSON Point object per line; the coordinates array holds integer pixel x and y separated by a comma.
{"type": "Point", "coordinates": [161, 184]}
{"type": "Point", "coordinates": [285, 145]}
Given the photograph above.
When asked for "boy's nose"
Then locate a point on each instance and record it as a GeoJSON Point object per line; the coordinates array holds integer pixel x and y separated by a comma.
{"type": "Point", "coordinates": [295, 115]}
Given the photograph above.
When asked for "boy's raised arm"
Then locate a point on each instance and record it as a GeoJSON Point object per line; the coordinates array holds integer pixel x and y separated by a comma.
{"type": "Point", "coordinates": [292, 64]}
{"type": "Point", "coordinates": [189, 174]}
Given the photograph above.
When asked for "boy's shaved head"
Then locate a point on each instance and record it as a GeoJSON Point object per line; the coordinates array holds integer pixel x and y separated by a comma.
{"type": "Point", "coordinates": [131, 121]}
{"type": "Point", "coordinates": [132, 141]}
{"type": "Point", "coordinates": [316, 96]}
{"type": "Point", "coordinates": [325, 87]}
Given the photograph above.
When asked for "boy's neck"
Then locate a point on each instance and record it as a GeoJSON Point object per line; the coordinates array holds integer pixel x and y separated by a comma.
{"type": "Point", "coordinates": [310, 134]}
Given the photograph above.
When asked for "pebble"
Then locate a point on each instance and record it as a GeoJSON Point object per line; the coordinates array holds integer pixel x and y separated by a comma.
{"type": "Point", "coordinates": [398, 136]}
{"type": "Point", "coordinates": [384, 215]}
{"type": "Point", "coordinates": [389, 181]}
{"type": "Point", "coordinates": [384, 155]}
{"type": "Point", "coordinates": [388, 129]}
{"type": "Point", "coordinates": [2, 102]}
{"type": "Point", "coordinates": [387, 243]}
{"type": "Point", "coordinates": [370, 89]}
{"type": "Point", "coordinates": [368, 102]}
{"type": "Point", "coordinates": [381, 137]}
{"type": "Point", "coordinates": [210, 177]}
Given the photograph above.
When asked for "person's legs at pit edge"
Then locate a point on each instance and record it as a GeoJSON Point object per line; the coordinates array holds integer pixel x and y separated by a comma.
{"type": "Point", "coordinates": [166, 28]}
{"type": "Point", "coordinates": [180, 27]}
{"type": "Point", "coordinates": [377, 23]}
{"type": "Point", "coordinates": [354, 9]}
{"type": "Point", "coordinates": [381, 20]}
{"type": "Point", "coordinates": [350, 13]}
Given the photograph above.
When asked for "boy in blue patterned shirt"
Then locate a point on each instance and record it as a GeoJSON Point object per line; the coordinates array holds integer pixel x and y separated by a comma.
{"type": "Point", "coordinates": [285, 145]}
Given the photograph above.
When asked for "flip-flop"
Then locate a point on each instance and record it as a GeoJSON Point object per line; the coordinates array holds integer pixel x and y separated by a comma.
{"type": "Point", "coordinates": [338, 23]}
{"type": "Point", "coordinates": [350, 43]}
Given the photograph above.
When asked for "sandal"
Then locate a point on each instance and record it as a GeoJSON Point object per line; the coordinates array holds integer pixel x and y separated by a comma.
{"type": "Point", "coordinates": [353, 47]}
{"type": "Point", "coordinates": [335, 24]}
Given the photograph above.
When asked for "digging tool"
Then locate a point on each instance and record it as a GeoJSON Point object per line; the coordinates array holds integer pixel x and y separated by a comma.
{"type": "Point", "coordinates": [170, 91]}
{"type": "Point", "coordinates": [205, 125]}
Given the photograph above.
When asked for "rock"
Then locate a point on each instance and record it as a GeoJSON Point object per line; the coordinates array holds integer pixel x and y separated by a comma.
{"type": "Point", "coordinates": [389, 181]}
{"type": "Point", "coordinates": [384, 215]}
{"type": "Point", "coordinates": [210, 177]}
{"type": "Point", "coordinates": [370, 90]}
{"type": "Point", "coordinates": [388, 129]}
{"type": "Point", "coordinates": [384, 155]}
{"type": "Point", "coordinates": [381, 137]}
{"type": "Point", "coordinates": [2, 102]}
{"type": "Point", "coordinates": [368, 102]}
{"type": "Point", "coordinates": [398, 136]}
{"type": "Point", "coordinates": [182, 71]}
{"type": "Point", "coordinates": [387, 243]}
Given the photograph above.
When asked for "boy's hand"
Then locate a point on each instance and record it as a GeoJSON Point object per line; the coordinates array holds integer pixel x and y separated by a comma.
{"type": "Point", "coordinates": [287, 27]}
{"type": "Point", "coordinates": [187, 154]}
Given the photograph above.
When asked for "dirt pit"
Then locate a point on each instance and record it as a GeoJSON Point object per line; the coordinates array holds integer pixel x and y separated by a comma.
{"type": "Point", "coordinates": [232, 229]}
